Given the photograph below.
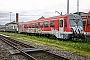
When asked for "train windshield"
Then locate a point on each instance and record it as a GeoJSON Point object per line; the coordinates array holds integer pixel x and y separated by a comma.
{"type": "Point", "coordinates": [75, 20]}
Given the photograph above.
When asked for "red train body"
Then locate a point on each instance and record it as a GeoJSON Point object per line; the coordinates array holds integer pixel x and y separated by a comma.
{"type": "Point", "coordinates": [87, 27]}
{"type": "Point", "coordinates": [64, 27]}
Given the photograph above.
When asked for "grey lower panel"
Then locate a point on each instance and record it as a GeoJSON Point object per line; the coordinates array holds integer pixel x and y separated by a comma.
{"type": "Point", "coordinates": [11, 30]}
{"type": "Point", "coordinates": [87, 38]}
{"type": "Point", "coordinates": [67, 36]}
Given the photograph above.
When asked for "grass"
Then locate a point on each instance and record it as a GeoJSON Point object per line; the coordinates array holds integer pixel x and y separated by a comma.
{"type": "Point", "coordinates": [80, 48]}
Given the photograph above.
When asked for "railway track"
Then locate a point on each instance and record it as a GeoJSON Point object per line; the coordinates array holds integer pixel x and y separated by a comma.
{"type": "Point", "coordinates": [30, 52]}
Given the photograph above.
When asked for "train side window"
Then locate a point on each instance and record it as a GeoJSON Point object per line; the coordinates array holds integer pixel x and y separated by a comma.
{"type": "Point", "coordinates": [36, 25]}
{"type": "Point", "coordinates": [61, 23]}
{"type": "Point", "coordinates": [52, 24]}
{"type": "Point", "coordinates": [65, 24]}
{"type": "Point", "coordinates": [41, 24]}
{"type": "Point", "coordinates": [25, 26]}
{"type": "Point", "coordinates": [33, 25]}
{"type": "Point", "coordinates": [46, 24]}
{"type": "Point", "coordinates": [88, 20]}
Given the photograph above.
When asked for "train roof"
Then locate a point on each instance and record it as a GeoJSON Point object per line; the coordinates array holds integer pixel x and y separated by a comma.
{"type": "Point", "coordinates": [45, 19]}
{"type": "Point", "coordinates": [34, 21]}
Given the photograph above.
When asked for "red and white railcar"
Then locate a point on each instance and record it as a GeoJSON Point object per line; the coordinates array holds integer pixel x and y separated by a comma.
{"type": "Point", "coordinates": [87, 27]}
{"type": "Point", "coordinates": [64, 27]}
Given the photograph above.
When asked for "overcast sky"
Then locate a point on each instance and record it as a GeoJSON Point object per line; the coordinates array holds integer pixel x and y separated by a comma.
{"type": "Point", "coordinates": [34, 9]}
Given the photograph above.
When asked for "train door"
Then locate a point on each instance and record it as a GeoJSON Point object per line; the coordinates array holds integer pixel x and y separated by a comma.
{"type": "Point", "coordinates": [61, 27]}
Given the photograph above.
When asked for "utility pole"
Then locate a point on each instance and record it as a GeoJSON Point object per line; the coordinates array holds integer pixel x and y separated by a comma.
{"type": "Point", "coordinates": [67, 6]}
{"type": "Point", "coordinates": [10, 16]}
{"type": "Point", "coordinates": [16, 17]}
{"type": "Point", "coordinates": [77, 5]}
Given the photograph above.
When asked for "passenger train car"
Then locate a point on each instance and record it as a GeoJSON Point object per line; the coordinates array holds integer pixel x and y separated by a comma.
{"type": "Point", "coordinates": [63, 27]}
{"type": "Point", "coordinates": [2, 28]}
{"type": "Point", "coordinates": [86, 23]}
{"type": "Point", "coordinates": [87, 27]}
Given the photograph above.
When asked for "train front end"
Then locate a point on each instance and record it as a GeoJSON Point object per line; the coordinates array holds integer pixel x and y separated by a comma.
{"type": "Point", "coordinates": [76, 26]}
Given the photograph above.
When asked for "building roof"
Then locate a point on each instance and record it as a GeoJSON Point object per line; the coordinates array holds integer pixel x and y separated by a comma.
{"type": "Point", "coordinates": [41, 18]}
{"type": "Point", "coordinates": [11, 23]}
{"type": "Point", "coordinates": [79, 13]}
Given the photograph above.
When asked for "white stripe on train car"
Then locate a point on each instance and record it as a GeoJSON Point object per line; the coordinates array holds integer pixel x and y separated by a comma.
{"type": "Point", "coordinates": [50, 32]}
{"type": "Point", "coordinates": [86, 33]}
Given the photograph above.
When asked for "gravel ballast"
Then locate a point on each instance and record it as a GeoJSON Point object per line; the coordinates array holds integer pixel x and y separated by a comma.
{"type": "Point", "coordinates": [5, 52]}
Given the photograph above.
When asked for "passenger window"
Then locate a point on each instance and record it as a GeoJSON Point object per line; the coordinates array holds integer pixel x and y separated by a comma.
{"type": "Point", "coordinates": [36, 25]}
{"type": "Point", "coordinates": [25, 26]}
{"type": "Point", "coordinates": [33, 25]}
{"type": "Point", "coordinates": [61, 23]}
{"type": "Point", "coordinates": [41, 24]}
{"type": "Point", "coordinates": [46, 24]}
{"type": "Point", "coordinates": [52, 24]}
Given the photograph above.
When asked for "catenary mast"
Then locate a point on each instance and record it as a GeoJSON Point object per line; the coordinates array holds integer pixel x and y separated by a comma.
{"type": "Point", "coordinates": [67, 6]}
{"type": "Point", "coordinates": [77, 5]}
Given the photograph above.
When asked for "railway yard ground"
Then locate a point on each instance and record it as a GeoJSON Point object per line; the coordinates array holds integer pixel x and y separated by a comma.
{"type": "Point", "coordinates": [68, 49]}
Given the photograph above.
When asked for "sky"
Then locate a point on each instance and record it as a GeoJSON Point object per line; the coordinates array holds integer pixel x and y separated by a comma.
{"type": "Point", "coordinates": [33, 9]}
